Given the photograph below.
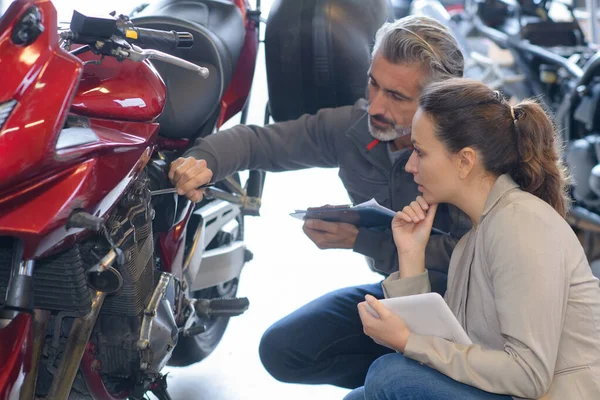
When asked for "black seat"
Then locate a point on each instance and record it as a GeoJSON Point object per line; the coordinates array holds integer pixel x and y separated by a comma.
{"type": "Point", "coordinates": [544, 33]}
{"type": "Point", "coordinates": [219, 33]}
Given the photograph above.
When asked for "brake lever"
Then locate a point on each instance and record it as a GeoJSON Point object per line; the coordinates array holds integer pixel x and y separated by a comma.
{"type": "Point", "coordinates": [137, 54]}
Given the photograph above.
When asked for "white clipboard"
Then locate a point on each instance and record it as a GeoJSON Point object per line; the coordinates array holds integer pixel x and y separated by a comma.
{"type": "Point", "coordinates": [427, 314]}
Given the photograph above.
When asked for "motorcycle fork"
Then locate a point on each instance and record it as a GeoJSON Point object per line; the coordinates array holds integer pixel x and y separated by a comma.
{"type": "Point", "coordinates": [40, 325]}
{"type": "Point", "coordinates": [76, 344]}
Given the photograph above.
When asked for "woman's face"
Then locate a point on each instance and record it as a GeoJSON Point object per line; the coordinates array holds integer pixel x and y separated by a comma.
{"type": "Point", "coordinates": [432, 166]}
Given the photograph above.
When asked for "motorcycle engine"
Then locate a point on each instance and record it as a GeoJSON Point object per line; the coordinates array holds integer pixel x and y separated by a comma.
{"type": "Point", "coordinates": [140, 311]}
{"type": "Point", "coordinates": [136, 331]}
{"type": "Point", "coordinates": [582, 156]}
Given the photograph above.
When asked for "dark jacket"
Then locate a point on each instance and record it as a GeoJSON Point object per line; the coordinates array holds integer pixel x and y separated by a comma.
{"type": "Point", "coordinates": [336, 137]}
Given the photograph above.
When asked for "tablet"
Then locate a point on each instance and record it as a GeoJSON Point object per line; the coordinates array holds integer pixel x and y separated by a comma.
{"type": "Point", "coordinates": [427, 314]}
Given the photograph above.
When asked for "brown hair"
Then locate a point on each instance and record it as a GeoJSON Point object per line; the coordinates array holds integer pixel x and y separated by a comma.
{"type": "Point", "coordinates": [519, 140]}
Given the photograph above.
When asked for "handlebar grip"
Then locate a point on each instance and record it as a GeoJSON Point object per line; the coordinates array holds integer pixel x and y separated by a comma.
{"type": "Point", "coordinates": [160, 40]}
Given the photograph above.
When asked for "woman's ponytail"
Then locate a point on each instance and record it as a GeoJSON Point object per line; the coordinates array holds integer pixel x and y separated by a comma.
{"type": "Point", "coordinates": [540, 169]}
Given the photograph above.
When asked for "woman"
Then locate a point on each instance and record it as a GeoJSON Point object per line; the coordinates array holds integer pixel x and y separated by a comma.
{"type": "Point", "coordinates": [519, 282]}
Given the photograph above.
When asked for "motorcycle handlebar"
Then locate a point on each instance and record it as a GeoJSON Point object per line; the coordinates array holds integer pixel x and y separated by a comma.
{"type": "Point", "coordinates": [164, 40]}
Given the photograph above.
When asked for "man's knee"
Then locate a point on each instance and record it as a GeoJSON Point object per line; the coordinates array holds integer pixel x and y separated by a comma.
{"type": "Point", "coordinates": [274, 350]}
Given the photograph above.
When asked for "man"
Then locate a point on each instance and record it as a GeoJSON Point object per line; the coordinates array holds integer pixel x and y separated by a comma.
{"type": "Point", "coordinates": [323, 342]}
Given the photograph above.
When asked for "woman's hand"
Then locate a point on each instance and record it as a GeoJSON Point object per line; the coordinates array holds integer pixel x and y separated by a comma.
{"type": "Point", "coordinates": [412, 226]}
{"type": "Point", "coordinates": [388, 329]}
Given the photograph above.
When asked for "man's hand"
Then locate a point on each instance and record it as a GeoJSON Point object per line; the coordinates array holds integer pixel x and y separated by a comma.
{"type": "Point", "coordinates": [187, 174]}
{"type": "Point", "coordinates": [330, 235]}
{"type": "Point", "coordinates": [388, 329]}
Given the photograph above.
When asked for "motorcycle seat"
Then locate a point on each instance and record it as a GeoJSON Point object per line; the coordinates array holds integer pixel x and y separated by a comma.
{"type": "Point", "coordinates": [219, 34]}
{"type": "Point", "coordinates": [222, 20]}
{"type": "Point", "coordinates": [543, 33]}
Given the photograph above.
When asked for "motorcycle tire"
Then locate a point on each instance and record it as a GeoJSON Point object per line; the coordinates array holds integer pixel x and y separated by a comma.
{"type": "Point", "coordinates": [190, 350]}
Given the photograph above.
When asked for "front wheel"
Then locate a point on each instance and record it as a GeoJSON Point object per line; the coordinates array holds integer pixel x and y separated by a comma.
{"type": "Point", "coordinates": [190, 350]}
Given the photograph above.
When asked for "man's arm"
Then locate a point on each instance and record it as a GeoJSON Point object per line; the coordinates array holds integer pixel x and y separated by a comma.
{"type": "Point", "coordinates": [309, 141]}
{"type": "Point", "coordinates": [380, 246]}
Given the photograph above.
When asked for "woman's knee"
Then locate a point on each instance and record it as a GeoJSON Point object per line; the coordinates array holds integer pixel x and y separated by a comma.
{"type": "Point", "coordinates": [392, 377]}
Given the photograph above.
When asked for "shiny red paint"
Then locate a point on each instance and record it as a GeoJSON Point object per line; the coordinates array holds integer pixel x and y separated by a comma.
{"type": "Point", "coordinates": [40, 77]}
{"type": "Point", "coordinates": [128, 91]}
{"type": "Point", "coordinates": [90, 369]}
{"type": "Point", "coordinates": [172, 244]}
{"type": "Point", "coordinates": [22, 65]}
{"type": "Point", "coordinates": [172, 144]}
{"type": "Point", "coordinates": [37, 210]}
{"type": "Point", "coordinates": [16, 348]}
{"type": "Point", "coordinates": [237, 92]}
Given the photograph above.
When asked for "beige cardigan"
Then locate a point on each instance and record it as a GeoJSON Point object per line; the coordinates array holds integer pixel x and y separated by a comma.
{"type": "Point", "coordinates": [532, 309]}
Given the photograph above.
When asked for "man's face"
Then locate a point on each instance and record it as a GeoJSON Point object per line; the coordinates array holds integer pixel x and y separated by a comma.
{"type": "Point", "coordinates": [394, 91]}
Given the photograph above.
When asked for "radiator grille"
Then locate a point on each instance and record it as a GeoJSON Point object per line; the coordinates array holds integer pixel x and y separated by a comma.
{"type": "Point", "coordinates": [5, 262]}
{"type": "Point", "coordinates": [59, 282]}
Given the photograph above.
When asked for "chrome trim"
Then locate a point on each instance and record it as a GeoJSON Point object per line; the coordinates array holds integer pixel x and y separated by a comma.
{"type": "Point", "coordinates": [5, 110]}
{"type": "Point", "coordinates": [26, 268]}
{"type": "Point", "coordinates": [159, 332]}
{"type": "Point", "coordinates": [75, 136]}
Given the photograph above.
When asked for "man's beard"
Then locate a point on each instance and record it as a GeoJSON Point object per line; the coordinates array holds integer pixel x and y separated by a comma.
{"type": "Point", "coordinates": [387, 134]}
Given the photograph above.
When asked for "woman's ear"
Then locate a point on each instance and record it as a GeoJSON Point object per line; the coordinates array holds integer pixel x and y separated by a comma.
{"type": "Point", "coordinates": [465, 160]}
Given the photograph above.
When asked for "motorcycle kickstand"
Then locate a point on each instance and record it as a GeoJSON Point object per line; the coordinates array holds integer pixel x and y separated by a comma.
{"type": "Point", "coordinates": [159, 388]}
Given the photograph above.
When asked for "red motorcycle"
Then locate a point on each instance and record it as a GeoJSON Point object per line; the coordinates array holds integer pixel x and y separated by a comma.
{"type": "Point", "coordinates": [106, 275]}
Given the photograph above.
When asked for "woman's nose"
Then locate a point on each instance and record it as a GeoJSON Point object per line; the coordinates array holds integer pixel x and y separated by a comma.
{"type": "Point", "coordinates": [411, 164]}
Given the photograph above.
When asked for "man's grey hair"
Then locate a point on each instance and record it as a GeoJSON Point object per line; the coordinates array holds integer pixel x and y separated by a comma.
{"type": "Point", "coordinates": [423, 40]}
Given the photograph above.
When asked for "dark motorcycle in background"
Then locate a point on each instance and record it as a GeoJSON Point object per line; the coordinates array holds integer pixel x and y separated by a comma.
{"type": "Point", "coordinates": [553, 61]}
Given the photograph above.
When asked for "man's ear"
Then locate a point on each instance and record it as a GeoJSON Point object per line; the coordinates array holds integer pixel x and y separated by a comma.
{"type": "Point", "coordinates": [465, 161]}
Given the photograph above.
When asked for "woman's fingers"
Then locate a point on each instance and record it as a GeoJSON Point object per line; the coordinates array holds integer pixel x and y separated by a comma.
{"type": "Point", "coordinates": [411, 213]}
{"type": "Point", "coordinates": [424, 205]}
{"type": "Point", "coordinates": [403, 218]}
{"type": "Point", "coordinates": [420, 213]}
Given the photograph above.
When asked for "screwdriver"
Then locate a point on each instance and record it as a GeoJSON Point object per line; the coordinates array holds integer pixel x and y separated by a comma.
{"type": "Point", "coordinates": [174, 190]}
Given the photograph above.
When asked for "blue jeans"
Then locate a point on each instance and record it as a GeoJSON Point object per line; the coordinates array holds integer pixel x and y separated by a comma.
{"type": "Point", "coordinates": [323, 342]}
{"type": "Point", "coordinates": [395, 377]}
